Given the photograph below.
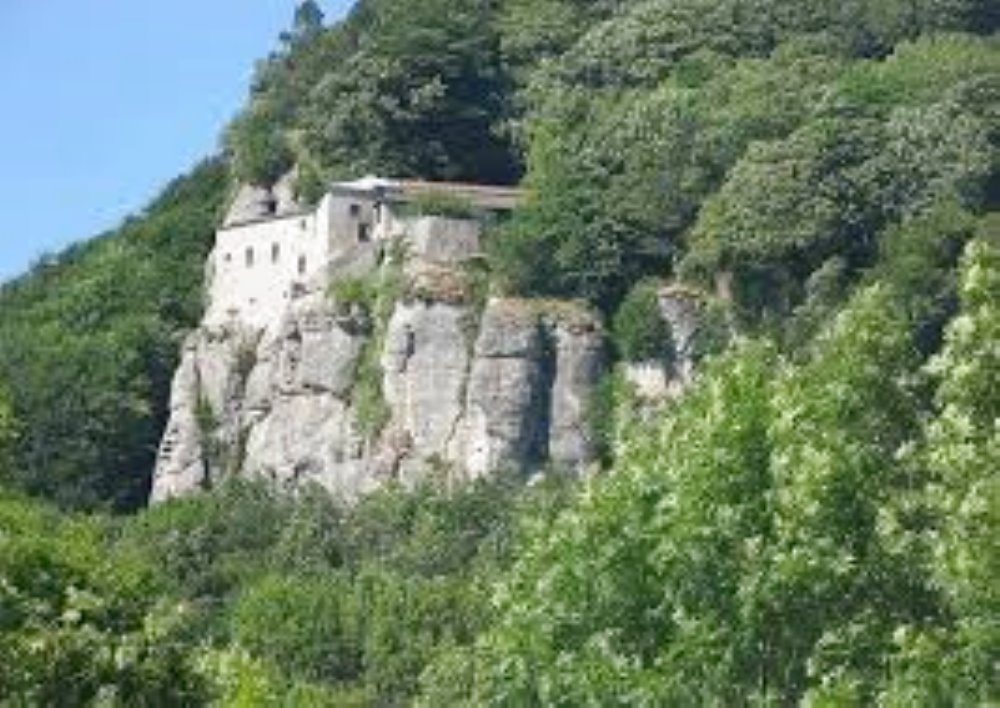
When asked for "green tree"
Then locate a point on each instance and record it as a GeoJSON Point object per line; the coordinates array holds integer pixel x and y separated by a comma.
{"type": "Point", "coordinates": [831, 592]}
{"type": "Point", "coordinates": [898, 137]}
{"type": "Point", "coordinates": [617, 176]}
{"type": "Point", "coordinates": [639, 570]}
{"type": "Point", "coordinates": [737, 554]}
{"type": "Point", "coordinates": [308, 20]}
{"type": "Point", "coordinates": [420, 97]}
{"type": "Point", "coordinates": [956, 661]}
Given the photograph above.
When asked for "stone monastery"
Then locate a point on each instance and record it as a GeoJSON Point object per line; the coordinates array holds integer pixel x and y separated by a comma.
{"type": "Point", "coordinates": [284, 382]}
{"type": "Point", "coordinates": [270, 248]}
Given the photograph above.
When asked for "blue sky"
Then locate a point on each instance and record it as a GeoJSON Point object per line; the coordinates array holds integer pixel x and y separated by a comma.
{"type": "Point", "coordinates": [104, 101]}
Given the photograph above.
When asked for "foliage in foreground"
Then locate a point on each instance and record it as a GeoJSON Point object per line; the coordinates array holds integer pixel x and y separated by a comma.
{"type": "Point", "coordinates": [804, 536]}
{"type": "Point", "coordinates": [246, 595]}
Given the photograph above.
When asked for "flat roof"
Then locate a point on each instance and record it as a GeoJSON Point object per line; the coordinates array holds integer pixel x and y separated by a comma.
{"type": "Point", "coordinates": [486, 196]}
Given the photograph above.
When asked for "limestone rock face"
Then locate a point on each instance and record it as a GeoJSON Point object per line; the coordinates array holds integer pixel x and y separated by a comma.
{"type": "Point", "coordinates": [682, 310]}
{"type": "Point", "coordinates": [505, 409]}
{"type": "Point", "coordinates": [283, 194]}
{"type": "Point", "coordinates": [469, 389]}
{"type": "Point", "coordinates": [579, 363]}
{"type": "Point", "coordinates": [251, 203]}
{"type": "Point", "coordinates": [425, 363]}
{"type": "Point", "coordinates": [204, 401]}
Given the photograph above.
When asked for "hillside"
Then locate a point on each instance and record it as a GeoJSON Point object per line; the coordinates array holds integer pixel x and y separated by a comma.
{"type": "Point", "coordinates": [813, 521]}
{"type": "Point", "coordinates": [89, 341]}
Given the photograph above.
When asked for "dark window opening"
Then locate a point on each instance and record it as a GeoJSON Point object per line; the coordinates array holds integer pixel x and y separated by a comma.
{"type": "Point", "coordinates": [249, 258]}
{"type": "Point", "coordinates": [302, 265]}
{"type": "Point", "coordinates": [364, 232]}
{"type": "Point", "coordinates": [270, 206]}
{"type": "Point", "coordinates": [275, 252]}
{"type": "Point", "coordinates": [355, 210]}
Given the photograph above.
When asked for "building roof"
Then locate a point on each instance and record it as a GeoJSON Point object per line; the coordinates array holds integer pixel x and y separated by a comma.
{"type": "Point", "coordinates": [483, 196]}
{"type": "Point", "coordinates": [486, 196]}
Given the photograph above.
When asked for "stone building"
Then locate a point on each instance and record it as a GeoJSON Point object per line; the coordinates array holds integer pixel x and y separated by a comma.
{"type": "Point", "coordinates": [270, 248]}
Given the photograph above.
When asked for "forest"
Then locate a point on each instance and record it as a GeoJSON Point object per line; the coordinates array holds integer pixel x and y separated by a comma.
{"type": "Point", "coordinates": [816, 521]}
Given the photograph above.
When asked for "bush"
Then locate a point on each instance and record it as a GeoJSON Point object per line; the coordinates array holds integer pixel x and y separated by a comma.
{"type": "Point", "coordinates": [639, 330]}
{"type": "Point", "coordinates": [602, 413]}
{"type": "Point", "coordinates": [206, 546]}
{"type": "Point", "coordinates": [438, 203]}
{"type": "Point", "coordinates": [307, 626]}
{"type": "Point", "coordinates": [351, 292]}
{"type": "Point", "coordinates": [79, 625]}
{"type": "Point", "coordinates": [8, 431]}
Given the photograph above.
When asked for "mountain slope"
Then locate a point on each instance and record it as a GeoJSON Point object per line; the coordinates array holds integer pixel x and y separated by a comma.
{"type": "Point", "coordinates": [89, 340]}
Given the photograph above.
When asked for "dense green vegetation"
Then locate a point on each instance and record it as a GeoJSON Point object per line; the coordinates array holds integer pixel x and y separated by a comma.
{"type": "Point", "coordinates": [89, 340]}
{"type": "Point", "coordinates": [816, 521]}
{"type": "Point", "coordinates": [777, 537]}
{"type": "Point", "coordinates": [401, 87]}
{"type": "Point", "coordinates": [248, 597]}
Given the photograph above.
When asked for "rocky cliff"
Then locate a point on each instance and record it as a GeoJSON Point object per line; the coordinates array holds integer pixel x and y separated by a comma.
{"type": "Point", "coordinates": [410, 370]}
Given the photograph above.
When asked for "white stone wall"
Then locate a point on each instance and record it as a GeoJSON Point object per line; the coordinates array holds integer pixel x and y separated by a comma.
{"type": "Point", "coordinates": [256, 267]}
{"type": "Point", "coordinates": [260, 264]}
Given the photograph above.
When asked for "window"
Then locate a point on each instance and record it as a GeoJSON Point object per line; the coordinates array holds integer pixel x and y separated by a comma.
{"type": "Point", "coordinates": [302, 224]}
{"type": "Point", "coordinates": [364, 232]}
{"type": "Point", "coordinates": [355, 210]}
{"type": "Point", "coordinates": [229, 258]}
{"type": "Point", "coordinates": [302, 265]}
{"type": "Point", "coordinates": [275, 252]}
{"type": "Point", "coordinates": [378, 213]}
{"type": "Point", "coordinates": [249, 257]}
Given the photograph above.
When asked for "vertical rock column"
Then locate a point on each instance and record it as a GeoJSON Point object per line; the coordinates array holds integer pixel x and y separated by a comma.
{"type": "Point", "coordinates": [505, 414]}
{"type": "Point", "coordinates": [425, 363]}
{"type": "Point", "coordinates": [579, 363]}
{"type": "Point", "coordinates": [682, 310]}
{"type": "Point", "coordinates": [205, 403]}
